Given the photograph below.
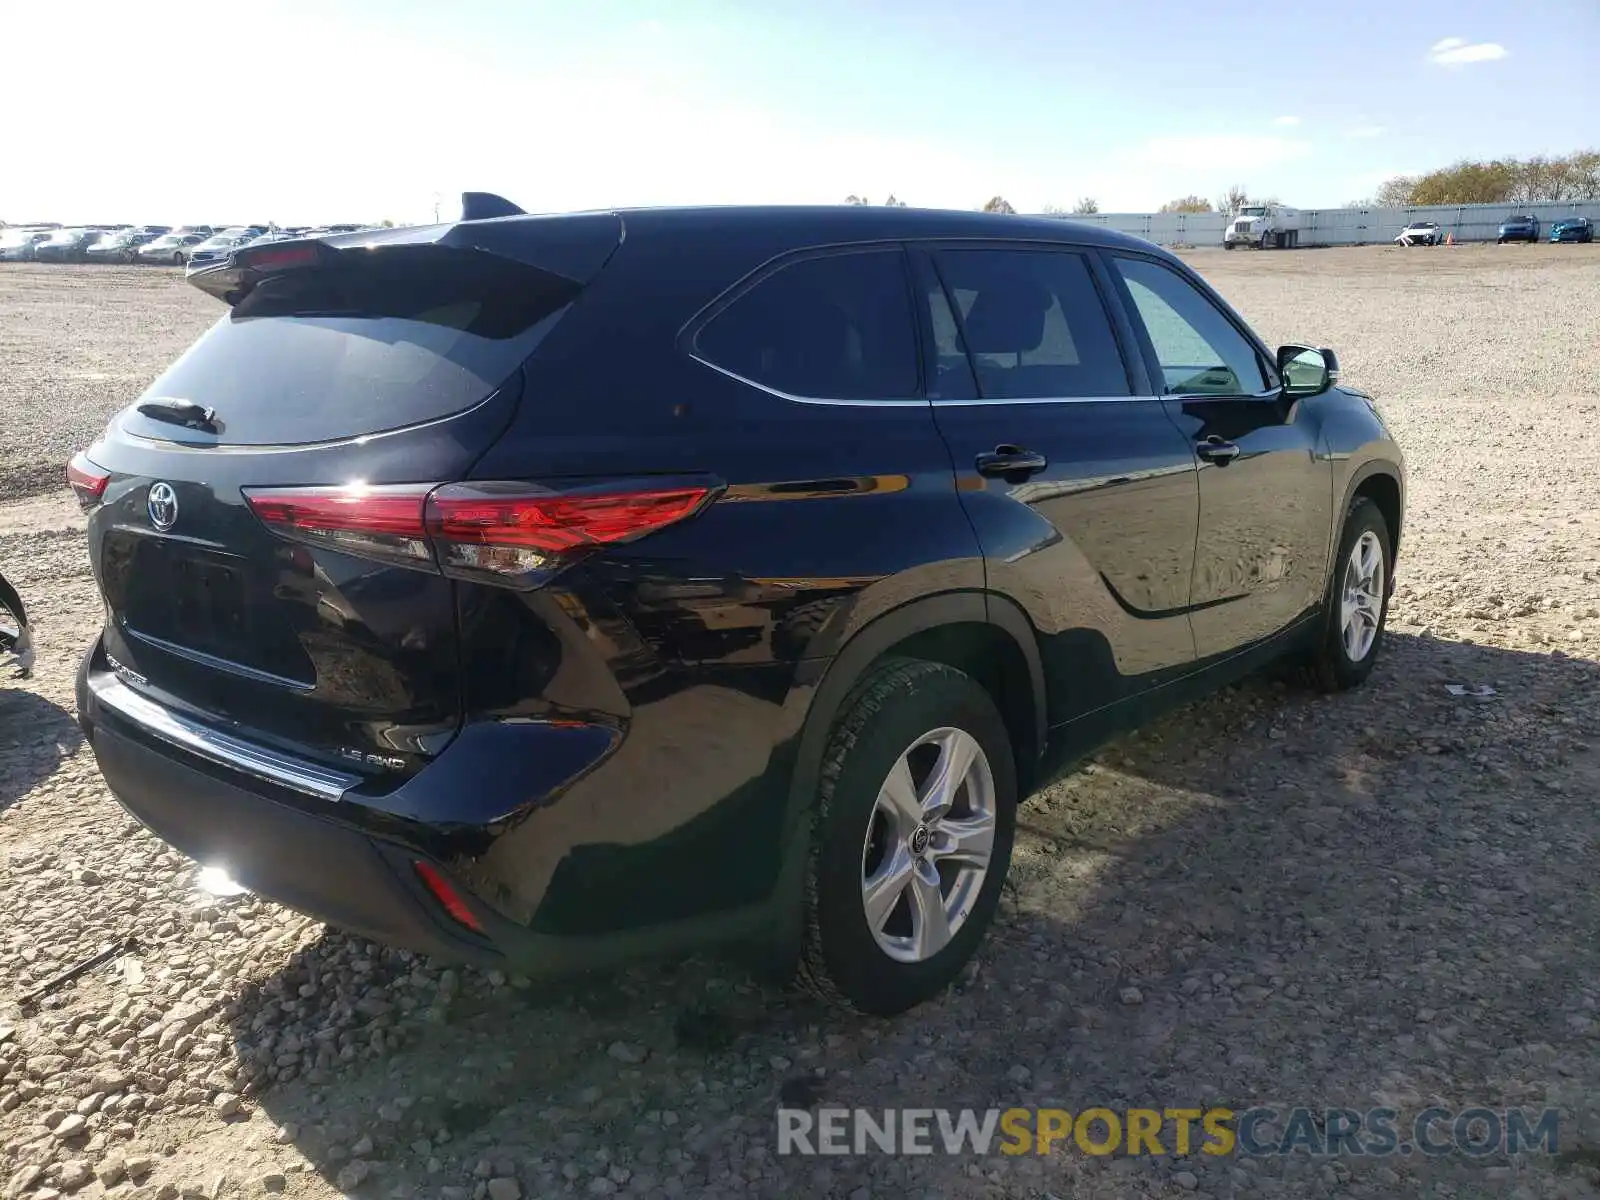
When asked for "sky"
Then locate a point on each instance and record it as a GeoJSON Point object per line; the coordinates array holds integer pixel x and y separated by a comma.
{"type": "Point", "coordinates": [305, 111]}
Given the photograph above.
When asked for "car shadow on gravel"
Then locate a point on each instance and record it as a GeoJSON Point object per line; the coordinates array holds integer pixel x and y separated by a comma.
{"type": "Point", "coordinates": [1273, 897]}
{"type": "Point", "coordinates": [35, 735]}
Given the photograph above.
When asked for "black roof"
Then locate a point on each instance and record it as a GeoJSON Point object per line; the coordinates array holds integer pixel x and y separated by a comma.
{"type": "Point", "coordinates": [845, 222]}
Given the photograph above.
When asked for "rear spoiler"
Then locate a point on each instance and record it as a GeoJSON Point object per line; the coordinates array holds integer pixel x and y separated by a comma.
{"type": "Point", "coordinates": [574, 246]}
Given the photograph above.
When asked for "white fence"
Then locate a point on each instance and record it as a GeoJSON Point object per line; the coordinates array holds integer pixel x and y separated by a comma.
{"type": "Point", "coordinates": [1348, 226]}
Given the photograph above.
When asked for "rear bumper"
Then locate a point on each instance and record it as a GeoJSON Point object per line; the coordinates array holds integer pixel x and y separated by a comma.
{"type": "Point", "coordinates": [350, 859]}
{"type": "Point", "coordinates": [320, 867]}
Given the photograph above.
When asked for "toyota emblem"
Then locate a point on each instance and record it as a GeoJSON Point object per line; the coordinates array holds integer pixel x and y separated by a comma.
{"type": "Point", "coordinates": [162, 505]}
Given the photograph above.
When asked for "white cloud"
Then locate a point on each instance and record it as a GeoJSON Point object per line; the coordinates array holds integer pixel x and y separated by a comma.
{"type": "Point", "coordinates": [1458, 52]}
{"type": "Point", "coordinates": [1285, 122]}
{"type": "Point", "coordinates": [1367, 131]}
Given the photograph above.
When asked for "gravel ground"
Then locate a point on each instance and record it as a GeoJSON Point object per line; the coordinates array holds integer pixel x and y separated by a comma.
{"type": "Point", "coordinates": [1270, 897]}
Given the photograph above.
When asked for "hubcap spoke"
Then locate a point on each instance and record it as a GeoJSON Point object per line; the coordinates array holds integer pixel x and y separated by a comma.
{"type": "Point", "coordinates": [899, 796]}
{"type": "Point", "coordinates": [930, 926]}
{"type": "Point", "coordinates": [888, 883]}
{"type": "Point", "coordinates": [967, 841]}
{"type": "Point", "coordinates": [956, 752]}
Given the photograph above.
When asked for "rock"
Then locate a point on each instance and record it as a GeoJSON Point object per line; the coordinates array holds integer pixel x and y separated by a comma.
{"type": "Point", "coordinates": [45, 1065]}
{"type": "Point", "coordinates": [362, 1148]}
{"type": "Point", "coordinates": [91, 1103]}
{"type": "Point", "coordinates": [111, 1169]}
{"type": "Point", "coordinates": [627, 1052]}
{"type": "Point", "coordinates": [226, 1104]}
{"type": "Point", "coordinates": [273, 1181]}
{"type": "Point", "coordinates": [74, 1174]}
{"type": "Point", "coordinates": [138, 1165]}
{"type": "Point", "coordinates": [23, 1179]}
{"type": "Point", "coordinates": [284, 1134]}
{"type": "Point", "coordinates": [71, 1126]}
{"type": "Point", "coordinates": [88, 877]}
{"type": "Point", "coordinates": [1187, 1180]}
{"type": "Point", "coordinates": [1131, 996]}
{"type": "Point", "coordinates": [504, 1189]}
{"type": "Point", "coordinates": [167, 1191]}
{"type": "Point", "coordinates": [1019, 1074]}
{"type": "Point", "coordinates": [352, 1175]}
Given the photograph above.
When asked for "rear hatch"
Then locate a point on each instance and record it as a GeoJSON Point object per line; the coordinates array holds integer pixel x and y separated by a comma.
{"type": "Point", "coordinates": [369, 366]}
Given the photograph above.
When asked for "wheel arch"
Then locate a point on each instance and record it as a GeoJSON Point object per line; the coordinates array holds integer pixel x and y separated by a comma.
{"type": "Point", "coordinates": [986, 636]}
{"type": "Point", "coordinates": [1381, 483]}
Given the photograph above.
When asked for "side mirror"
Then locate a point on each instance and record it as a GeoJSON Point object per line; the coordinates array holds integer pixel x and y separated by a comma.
{"type": "Point", "coordinates": [1307, 372]}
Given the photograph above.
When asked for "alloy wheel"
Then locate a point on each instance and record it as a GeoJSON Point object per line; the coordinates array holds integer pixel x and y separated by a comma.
{"type": "Point", "coordinates": [928, 845]}
{"type": "Point", "coordinates": [1361, 606]}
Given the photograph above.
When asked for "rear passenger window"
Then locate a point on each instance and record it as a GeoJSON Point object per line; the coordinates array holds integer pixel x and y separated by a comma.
{"type": "Point", "coordinates": [835, 327]}
{"type": "Point", "coordinates": [1033, 324]}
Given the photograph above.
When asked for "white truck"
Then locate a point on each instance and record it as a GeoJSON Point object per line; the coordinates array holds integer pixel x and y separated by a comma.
{"type": "Point", "coordinates": [1264, 226]}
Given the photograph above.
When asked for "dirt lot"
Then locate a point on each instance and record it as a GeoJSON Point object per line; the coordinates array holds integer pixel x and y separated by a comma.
{"type": "Point", "coordinates": [1384, 898]}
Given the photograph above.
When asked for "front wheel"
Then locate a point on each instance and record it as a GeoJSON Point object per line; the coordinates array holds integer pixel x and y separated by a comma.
{"type": "Point", "coordinates": [1356, 608]}
{"type": "Point", "coordinates": [915, 818]}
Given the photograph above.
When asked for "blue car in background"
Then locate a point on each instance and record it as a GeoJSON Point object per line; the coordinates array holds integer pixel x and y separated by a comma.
{"type": "Point", "coordinates": [1572, 229]}
{"type": "Point", "coordinates": [1518, 229]}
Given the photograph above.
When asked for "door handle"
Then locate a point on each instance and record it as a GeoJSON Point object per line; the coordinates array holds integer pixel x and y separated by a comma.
{"type": "Point", "coordinates": [1217, 450]}
{"type": "Point", "coordinates": [1011, 463]}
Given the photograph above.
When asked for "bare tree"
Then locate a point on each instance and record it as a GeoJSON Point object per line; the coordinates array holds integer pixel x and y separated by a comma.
{"type": "Point", "coordinates": [1186, 204]}
{"type": "Point", "coordinates": [893, 202]}
{"type": "Point", "coordinates": [1086, 207]}
{"type": "Point", "coordinates": [1396, 192]}
{"type": "Point", "coordinates": [999, 204]}
{"type": "Point", "coordinates": [1232, 200]}
{"type": "Point", "coordinates": [852, 198]}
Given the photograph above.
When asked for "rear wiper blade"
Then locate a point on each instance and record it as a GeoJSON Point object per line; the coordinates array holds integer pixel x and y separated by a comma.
{"type": "Point", "coordinates": [180, 412]}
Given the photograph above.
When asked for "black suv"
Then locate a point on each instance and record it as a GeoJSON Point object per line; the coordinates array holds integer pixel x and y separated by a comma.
{"type": "Point", "coordinates": [545, 591]}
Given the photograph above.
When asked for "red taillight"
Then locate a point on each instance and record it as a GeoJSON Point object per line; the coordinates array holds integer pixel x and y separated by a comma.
{"type": "Point", "coordinates": [88, 480]}
{"type": "Point", "coordinates": [276, 258]}
{"type": "Point", "coordinates": [374, 522]}
{"type": "Point", "coordinates": [507, 532]}
{"type": "Point", "coordinates": [445, 893]}
{"type": "Point", "coordinates": [509, 529]}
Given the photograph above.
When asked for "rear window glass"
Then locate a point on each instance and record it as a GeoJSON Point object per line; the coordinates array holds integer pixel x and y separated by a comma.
{"type": "Point", "coordinates": [411, 335]}
{"type": "Point", "coordinates": [1033, 324]}
{"type": "Point", "coordinates": [835, 327]}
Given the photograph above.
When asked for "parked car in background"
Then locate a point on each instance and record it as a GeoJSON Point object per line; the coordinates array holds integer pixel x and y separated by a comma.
{"type": "Point", "coordinates": [16, 639]}
{"type": "Point", "coordinates": [1572, 229]}
{"type": "Point", "coordinates": [1520, 228]}
{"type": "Point", "coordinates": [66, 245]}
{"type": "Point", "coordinates": [18, 245]}
{"type": "Point", "coordinates": [120, 247]}
{"type": "Point", "coordinates": [1421, 233]}
{"type": "Point", "coordinates": [218, 245]}
{"type": "Point", "coordinates": [580, 670]}
{"type": "Point", "coordinates": [170, 248]}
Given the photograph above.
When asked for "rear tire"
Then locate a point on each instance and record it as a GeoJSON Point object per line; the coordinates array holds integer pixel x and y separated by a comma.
{"type": "Point", "coordinates": [905, 874]}
{"type": "Point", "coordinates": [1356, 607]}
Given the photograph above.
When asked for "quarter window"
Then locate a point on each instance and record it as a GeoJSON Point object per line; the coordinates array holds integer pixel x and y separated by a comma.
{"type": "Point", "coordinates": [1200, 351]}
{"type": "Point", "coordinates": [1033, 324]}
{"type": "Point", "coordinates": [834, 327]}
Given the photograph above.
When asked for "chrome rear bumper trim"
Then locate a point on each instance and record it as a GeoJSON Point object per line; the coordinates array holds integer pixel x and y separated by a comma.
{"type": "Point", "coordinates": [219, 747]}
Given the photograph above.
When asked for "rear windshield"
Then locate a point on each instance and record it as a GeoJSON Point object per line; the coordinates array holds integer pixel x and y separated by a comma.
{"type": "Point", "coordinates": [409, 335]}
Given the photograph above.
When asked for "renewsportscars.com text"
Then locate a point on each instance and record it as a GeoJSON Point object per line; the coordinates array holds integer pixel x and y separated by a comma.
{"type": "Point", "coordinates": [1260, 1131]}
